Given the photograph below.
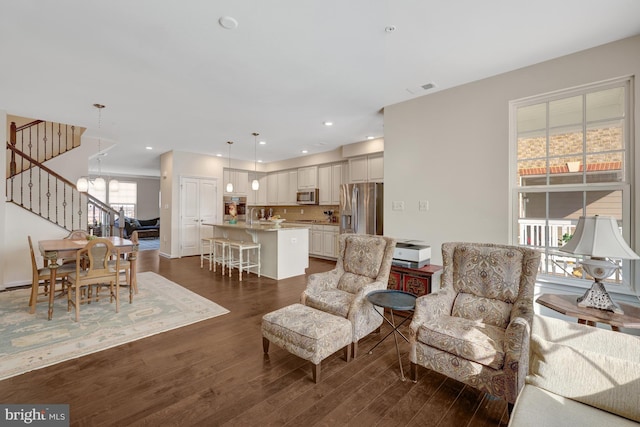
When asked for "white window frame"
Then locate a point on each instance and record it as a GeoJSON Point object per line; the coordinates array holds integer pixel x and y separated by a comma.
{"type": "Point", "coordinates": [630, 280]}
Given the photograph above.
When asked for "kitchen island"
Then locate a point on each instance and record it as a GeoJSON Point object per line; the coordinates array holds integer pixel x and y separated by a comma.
{"type": "Point", "coordinates": [284, 249]}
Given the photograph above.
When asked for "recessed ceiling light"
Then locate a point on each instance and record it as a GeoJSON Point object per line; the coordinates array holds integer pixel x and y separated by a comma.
{"type": "Point", "coordinates": [328, 123]}
{"type": "Point", "coordinates": [262, 142]}
{"type": "Point", "coordinates": [219, 155]}
{"type": "Point", "coordinates": [304, 151]}
{"type": "Point", "coordinates": [149, 148]}
{"type": "Point", "coordinates": [259, 161]}
{"type": "Point", "coordinates": [371, 137]}
{"type": "Point", "coordinates": [228, 23]}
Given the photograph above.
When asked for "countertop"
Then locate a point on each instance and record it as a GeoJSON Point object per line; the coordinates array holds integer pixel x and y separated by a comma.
{"type": "Point", "coordinates": [261, 225]}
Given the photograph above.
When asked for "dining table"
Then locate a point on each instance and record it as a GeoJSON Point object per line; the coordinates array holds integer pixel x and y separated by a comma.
{"type": "Point", "coordinates": [53, 250]}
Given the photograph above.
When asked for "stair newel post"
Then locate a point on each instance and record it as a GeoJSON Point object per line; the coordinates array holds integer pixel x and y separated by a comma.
{"type": "Point", "coordinates": [13, 140]}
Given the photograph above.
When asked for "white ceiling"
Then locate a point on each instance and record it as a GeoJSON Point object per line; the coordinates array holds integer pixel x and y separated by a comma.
{"type": "Point", "coordinates": [172, 78]}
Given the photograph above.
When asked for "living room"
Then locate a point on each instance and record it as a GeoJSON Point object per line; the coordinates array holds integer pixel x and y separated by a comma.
{"type": "Point", "coordinates": [461, 169]}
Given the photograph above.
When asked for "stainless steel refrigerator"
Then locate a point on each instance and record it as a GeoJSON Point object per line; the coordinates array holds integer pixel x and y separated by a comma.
{"type": "Point", "coordinates": [361, 208]}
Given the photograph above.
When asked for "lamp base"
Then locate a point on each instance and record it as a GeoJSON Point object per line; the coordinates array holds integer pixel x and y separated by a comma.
{"type": "Point", "coordinates": [597, 297]}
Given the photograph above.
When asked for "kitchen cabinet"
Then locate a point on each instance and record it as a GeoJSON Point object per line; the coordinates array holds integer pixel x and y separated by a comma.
{"type": "Point", "coordinates": [308, 178]}
{"type": "Point", "coordinates": [324, 241]}
{"type": "Point", "coordinates": [338, 174]}
{"type": "Point", "coordinates": [366, 168]}
{"type": "Point", "coordinates": [257, 197]}
{"type": "Point", "coordinates": [375, 168]}
{"type": "Point", "coordinates": [290, 197]}
{"type": "Point", "coordinates": [239, 179]}
{"type": "Point", "coordinates": [417, 281]}
{"type": "Point", "coordinates": [330, 177]}
{"type": "Point", "coordinates": [282, 188]}
{"type": "Point", "coordinates": [358, 170]}
{"type": "Point", "coordinates": [272, 188]}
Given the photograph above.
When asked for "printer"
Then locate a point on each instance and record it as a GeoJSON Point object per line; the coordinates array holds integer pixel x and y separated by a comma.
{"type": "Point", "coordinates": [411, 254]}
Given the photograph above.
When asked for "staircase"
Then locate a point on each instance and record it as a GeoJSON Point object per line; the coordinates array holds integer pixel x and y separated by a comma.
{"type": "Point", "coordinates": [36, 188]}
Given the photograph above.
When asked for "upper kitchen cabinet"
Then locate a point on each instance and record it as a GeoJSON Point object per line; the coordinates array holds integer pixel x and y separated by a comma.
{"type": "Point", "coordinates": [239, 179]}
{"type": "Point", "coordinates": [282, 187]}
{"type": "Point", "coordinates": [272, 188]}
{"type": "Point", "coordinates": [290, 197]}
{"type": "Point", "coordinates": [308, 178]}
{"type": "Point", "coordinates": [366, 168]}
{"type": "Point", "coordinates": [330, 177]}
{"type": "Point", "coordinates": [258, 197]}
{"type": "Point", "coordinates": [375, 165]}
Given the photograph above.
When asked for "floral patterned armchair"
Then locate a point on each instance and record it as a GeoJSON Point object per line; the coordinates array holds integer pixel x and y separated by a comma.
{"type": "Point", "coordinates": [476, 328]}
{"type": "Point", "coordinates": [364, 263]}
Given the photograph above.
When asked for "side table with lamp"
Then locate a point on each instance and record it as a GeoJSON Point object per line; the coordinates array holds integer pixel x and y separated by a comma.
{"type": "Point", "coordinates": [597, 237]}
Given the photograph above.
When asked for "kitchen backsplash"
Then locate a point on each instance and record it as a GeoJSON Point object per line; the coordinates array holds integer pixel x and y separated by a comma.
{"type": "Point", "coordinates": [306, 212]}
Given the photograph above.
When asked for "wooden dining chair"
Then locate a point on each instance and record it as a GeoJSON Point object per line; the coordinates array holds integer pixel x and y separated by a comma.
{"type": "Point", "coordinates": [42, 277]}
{"type": "Point", "coordinates": [99, 251]}
{"type": "Point", "coordinates": [125, 267]}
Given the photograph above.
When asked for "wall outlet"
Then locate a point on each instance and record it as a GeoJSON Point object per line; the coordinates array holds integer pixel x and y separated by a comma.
{"type": "Point", "coordinates": [397, 205]}
{"type": "Point", "coordinates": [285, 210]}
{"type": "Point", "coordinates": [301, 211]}
{"type": "Point", "coordinates": [423, 205]}
{"type": "Point", "coordinates": [294, 240]}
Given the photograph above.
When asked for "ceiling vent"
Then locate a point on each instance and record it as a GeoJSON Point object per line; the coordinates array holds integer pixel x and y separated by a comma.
{"type": "Point", "coordinates": [420, 89]}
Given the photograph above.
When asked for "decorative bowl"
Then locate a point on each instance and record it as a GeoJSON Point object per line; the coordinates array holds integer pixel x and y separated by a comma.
{"type": "Point", "coordinates": [277, 221]}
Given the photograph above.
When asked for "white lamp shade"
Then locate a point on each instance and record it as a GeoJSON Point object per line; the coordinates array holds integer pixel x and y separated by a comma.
{"type": "Point", "coordinates": [82, 184]}
{"type": "Point", "coordinates": [114, 185]}
{"type": "Point", "coordinates": [255, 184]}
{"type": "Point", "coordinates": [229, 188]}
{"type": "Point", "coordinates": [598, 236]}
{"type": "Point", "coordinates": [99, 183]}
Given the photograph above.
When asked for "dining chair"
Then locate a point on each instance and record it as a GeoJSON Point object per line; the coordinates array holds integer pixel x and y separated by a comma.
{"type": "Point", "coordinates": [99, 252]}
{"type": "Point", "coordinates": [125, 267]}
{"type": "Point", "coordinates": [42, 276]}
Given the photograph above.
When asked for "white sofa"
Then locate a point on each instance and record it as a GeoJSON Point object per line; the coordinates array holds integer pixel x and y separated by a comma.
{"type": "Point", "coordinates": [579, 376]}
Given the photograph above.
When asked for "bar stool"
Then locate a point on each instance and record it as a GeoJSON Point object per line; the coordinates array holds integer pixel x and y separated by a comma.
{"type": "Point", "coordinates": [240, 262]}
{"type": "Point", "coordinates": [206, 243]}
{"type": "Point", "coordinates": [220, 245]}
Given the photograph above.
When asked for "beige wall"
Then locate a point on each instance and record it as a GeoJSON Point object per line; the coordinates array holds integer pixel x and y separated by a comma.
{"type": "Point", "coordinates": [451, 148]}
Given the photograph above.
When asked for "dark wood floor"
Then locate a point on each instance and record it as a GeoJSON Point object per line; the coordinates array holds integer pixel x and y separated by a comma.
{"type": "Point", "coordinates": [215, 373]}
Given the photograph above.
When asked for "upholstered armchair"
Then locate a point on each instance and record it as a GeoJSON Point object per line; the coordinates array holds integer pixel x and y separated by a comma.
{"type": "Point", "coordinates": [363, 265]}
{"type": "Point", "coordinates": [476, 328]}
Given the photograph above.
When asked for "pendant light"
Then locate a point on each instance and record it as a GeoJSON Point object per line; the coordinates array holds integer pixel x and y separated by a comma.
{"type": "Point", "coordinates": [229, 184]}
{"type": "Point", "coordinates": [99, 183]}
{"type": "Point", "coordinates": [255, 184]}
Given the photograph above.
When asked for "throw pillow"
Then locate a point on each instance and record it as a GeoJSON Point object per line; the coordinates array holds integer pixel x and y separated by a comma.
{"type": "Point", "coordinates": [601, 381]}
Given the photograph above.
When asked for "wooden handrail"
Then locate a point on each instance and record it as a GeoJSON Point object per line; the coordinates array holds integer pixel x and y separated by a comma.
{"type": "Point", "coordinates": [28, 125]}
{"type": "Point", "coordinates": [41, 165]}
{"type": "Point", "coordinates": [104, 211]}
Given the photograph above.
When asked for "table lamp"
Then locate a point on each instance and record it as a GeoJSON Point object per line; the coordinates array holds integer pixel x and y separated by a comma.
{"type": "Point", "coordinates": [599, 238]}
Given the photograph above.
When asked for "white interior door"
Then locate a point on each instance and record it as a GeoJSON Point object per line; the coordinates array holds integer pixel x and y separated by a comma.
{"type": "Point", "coordinates": [198, 202]}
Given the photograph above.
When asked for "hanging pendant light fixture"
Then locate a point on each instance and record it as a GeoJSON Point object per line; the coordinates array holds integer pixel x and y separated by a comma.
{"type": "Point", "coordinates": [99, 183]}
{"type": "Point", "coordinates": [255, 184]}
{"type": "Point", "coordinates": [229, 184]}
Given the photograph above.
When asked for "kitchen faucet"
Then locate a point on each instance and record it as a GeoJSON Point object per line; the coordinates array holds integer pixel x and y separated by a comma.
{"type": "Point", "coordinates": [251, 216]}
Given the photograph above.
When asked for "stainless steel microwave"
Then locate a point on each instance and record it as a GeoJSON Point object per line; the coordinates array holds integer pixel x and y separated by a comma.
{"type": "Point", "coordinates": [307, 197]}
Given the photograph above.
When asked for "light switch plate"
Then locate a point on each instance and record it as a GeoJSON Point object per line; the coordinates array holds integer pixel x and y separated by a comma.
{"type": "Point", "coordinates": [423, 205]}
{"type": "Point", "coordinates": [397, 205]}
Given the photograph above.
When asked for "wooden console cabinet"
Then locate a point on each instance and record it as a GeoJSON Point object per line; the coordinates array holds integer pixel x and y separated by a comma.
{"type": "Point", "coordinates": [414, 280]}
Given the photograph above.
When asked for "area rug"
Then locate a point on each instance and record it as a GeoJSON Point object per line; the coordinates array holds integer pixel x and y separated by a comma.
{"type": "Point", "coordinates": [30, 341]}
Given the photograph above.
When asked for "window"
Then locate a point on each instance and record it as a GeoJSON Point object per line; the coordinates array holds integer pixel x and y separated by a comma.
{"type": "Point", "coordinates": [570, 157]}
{"type": "Point", "coordinates": [126, 198]}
